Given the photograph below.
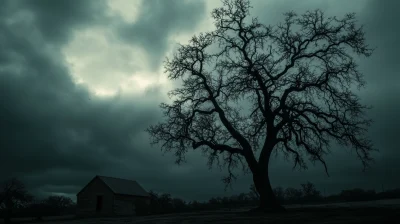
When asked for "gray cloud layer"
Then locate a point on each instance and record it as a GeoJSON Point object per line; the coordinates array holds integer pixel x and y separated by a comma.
{"type": "Point", "coordinates": [159, 19]}
{"type": "Point", "coordinates": [56, 135]}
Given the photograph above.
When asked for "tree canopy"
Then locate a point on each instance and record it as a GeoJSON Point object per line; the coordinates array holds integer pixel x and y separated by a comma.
{"type": "Point", "coordinates": [297, 79]}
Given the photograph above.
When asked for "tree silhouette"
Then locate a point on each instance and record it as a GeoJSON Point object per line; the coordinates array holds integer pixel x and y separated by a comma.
{"type": "Point", "coordinates": [279, 194]}
{"type": "Point", "coordinates": [310, 192]}
{"type": "Point", "coordinates": [59, 201]}
{"type": "Point", "coordinates": [13, 195]}
{"type": "Point", "coordinates": [293, 195]}
{"type": "Point", "coordinates": [297, 77]}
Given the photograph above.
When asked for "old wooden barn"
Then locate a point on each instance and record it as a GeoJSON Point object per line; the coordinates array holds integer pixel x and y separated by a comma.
{"type": "Point", "coordinates": [111, 196]}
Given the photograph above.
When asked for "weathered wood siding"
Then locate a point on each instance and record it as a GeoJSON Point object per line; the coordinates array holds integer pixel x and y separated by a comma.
{"type": "Point", "coordinates": [87, 199]}
{"type": "Point", "coordinates": [126, 204]}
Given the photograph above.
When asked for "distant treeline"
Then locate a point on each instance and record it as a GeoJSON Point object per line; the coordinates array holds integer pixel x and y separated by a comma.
{"type": "Point", "coordinates": [51, 206]}
{"type": "Point", "coordinates": [306, 194]}
{"type": "Point", "coordinates": [165, 203]}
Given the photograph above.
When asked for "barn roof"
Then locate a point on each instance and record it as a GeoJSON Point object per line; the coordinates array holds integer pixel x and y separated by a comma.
{"type": "Point", "coordinates": [120, 186]}
{"type": "Point", "coordinates": [123, 186]}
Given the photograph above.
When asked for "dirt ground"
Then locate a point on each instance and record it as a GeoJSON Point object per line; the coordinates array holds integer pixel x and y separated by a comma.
{"type": "Point", "coordinates": [360, 212]}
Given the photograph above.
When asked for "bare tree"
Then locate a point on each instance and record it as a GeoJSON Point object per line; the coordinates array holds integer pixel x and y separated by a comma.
{"type": "Point", "coordinates": [13, 194]}
{"type": "Point", "coordinates": [297, 76]}
{"type": "Point", "coordinates": [293, 195]}
{"type": "Point", "coordinates": [310, 192]}
{"type": "Point", "coordinates": [58, 203]}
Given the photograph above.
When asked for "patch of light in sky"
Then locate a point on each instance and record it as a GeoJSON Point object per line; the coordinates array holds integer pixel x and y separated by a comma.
{"type": "Point", "coordinates": [127, 9]}
{"type": "Point", "coordinates": [102, 92]}
{"type": "Point", "coordinates": [108, 66]}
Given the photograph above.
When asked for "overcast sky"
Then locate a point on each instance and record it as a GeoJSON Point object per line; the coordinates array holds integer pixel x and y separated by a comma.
{"type": "Point", "coordinates": [80, 81]}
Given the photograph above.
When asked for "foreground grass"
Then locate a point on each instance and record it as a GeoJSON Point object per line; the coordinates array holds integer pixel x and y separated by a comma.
{"type": "Point", "coordinates": [294, 215]}
{"type": "Point", "coordinates": [381, 211]}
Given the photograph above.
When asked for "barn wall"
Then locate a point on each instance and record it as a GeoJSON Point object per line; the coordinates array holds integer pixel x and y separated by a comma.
{"type": "Point", "coordinates": [126, 205]}
{"type": "Point", "coordinates": [87, 199]}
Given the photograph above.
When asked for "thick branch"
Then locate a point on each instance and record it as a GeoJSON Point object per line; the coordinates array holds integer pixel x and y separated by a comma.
{"type": "Point", "coordinates": [217, 147]}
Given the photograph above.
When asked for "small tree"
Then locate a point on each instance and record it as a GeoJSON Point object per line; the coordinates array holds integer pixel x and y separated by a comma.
{"type": "Point", "coordinates": [13, 195]}
{"type": "Point", "coordinates": [358, 194]}
{"type": "Point", "coordinates": [297, 77]}
{"type": "Point", "coordinates": [39, 209]}
{"type": "Point", "coordinates": [242, 199]}
{"type": "Point", "coordinates": [165, 202]}
{"type": "Point", "coordinates": [155, 206]}
{"type": "Point", "coordinates": [58, 204]}
{"type": "Point", "coordinates": [293, 195]}
{"type": "Point", "coordinates": [214, 203]}
{"type": "Point", "coordinates": [310, 193]}
{"type": "Point", "coordinates": [179, 205]}
{"type": "Point", "coordinates": [279, 193]}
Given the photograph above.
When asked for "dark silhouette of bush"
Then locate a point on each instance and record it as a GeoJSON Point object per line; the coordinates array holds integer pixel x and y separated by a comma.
{"type": "Point", "coordinates": [307, 193]}
{"type": "Point", "coordinates": [141, 208]}
{"type": "Point", "coordinates": [214, 203]}
{"type": "Point", "coordinates": [389, 194]}
{"type": "Point", "coordinates": [155, 207]}
{"type": "Point", "coordinates": [51, 206]}
{"type": "Point", "coordinates": [165, 202]}
{"type": "Point", "coordinates": [358, 194]}
{"type": "Point", "coordinates": [293, 195]}
{"type": "Point", "coordinates": [280, 194]}
{"type": "Point", "coordinates": [178, 205]}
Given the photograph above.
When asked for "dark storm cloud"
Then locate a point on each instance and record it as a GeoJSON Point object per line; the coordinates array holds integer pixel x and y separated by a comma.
{"type": "Point", "coordinates": [48, 123]}
{"type": "Point", "coordinates": [54, 134]}
{"type": "Point", "coordinates": [37, 93]}
{"type": "Point", "coordinates": [157, 20]}
{"type": "Point", "coordinates": [57, 19]}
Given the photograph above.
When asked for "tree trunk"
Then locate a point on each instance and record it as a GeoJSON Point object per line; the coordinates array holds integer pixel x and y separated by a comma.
{"type": "Point", "coordinates": [7, 216]}
{"type": "Point", "coordinates": [8, 211]}
{"type": "Point", "coordinates": [268, 200]}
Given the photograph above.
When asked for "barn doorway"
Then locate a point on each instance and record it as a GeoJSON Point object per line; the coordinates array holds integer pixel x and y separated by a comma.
{"type": "Point", "coordinates": [99, 203]}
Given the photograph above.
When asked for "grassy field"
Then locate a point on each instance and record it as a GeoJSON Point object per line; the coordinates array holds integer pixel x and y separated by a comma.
{"type": "Point", "coordinates": [356, 212]}
{"type": "Point", "coordinates": [299, 215]}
